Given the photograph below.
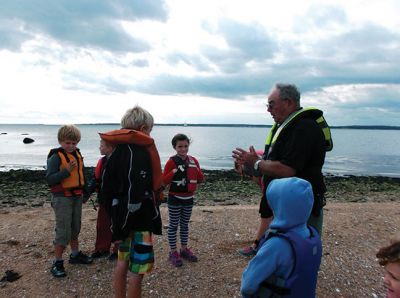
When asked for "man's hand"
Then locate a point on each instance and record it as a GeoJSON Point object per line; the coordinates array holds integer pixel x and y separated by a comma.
{"type": "Point", "coordinates": [245, 158]}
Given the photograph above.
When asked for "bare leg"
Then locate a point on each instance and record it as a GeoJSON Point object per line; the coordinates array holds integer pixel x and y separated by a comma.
{"type": "Point", "coordinates": [135, 285]}
{"type": "Point", "coordinates": [120, 272]}
{"type": "Point", "coordinates": [74, 245]}
{"type": "Point", "coordinates": [58, 251]}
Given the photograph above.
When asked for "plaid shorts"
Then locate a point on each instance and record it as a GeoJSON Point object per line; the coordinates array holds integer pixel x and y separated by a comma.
{"type": "Point", "coordinates": [137, 250]}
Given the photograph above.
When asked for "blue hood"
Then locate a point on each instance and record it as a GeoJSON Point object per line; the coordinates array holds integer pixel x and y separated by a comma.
{"type": "Point", "coordinates": [291, 200]}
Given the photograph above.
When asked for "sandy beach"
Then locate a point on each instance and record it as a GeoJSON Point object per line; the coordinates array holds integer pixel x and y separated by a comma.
{"type": "Point", "coordinates": [361, 214]}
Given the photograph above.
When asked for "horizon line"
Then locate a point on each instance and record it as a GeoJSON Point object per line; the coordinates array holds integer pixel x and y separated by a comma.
{"type": "Point", "coordinates": [355, 126]}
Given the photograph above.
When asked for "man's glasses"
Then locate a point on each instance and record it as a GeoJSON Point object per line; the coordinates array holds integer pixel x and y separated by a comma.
{"type": "Point", "coordinates": [270, 105]}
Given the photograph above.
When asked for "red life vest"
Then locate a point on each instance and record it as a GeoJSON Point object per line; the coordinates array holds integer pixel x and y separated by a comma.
{"type": "Point", "coordinates": [185, 179]}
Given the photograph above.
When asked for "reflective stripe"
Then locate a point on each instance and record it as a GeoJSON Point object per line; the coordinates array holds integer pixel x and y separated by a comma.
{"type": "Point", "coordinates": [272, 137]}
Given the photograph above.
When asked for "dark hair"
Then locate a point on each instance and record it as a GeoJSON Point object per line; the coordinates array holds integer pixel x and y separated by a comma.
{"type": "Point", "coordinates": [288, 91]}
{"type": "Point", "coordinates": [389, 254]}
{"type": "Point", "coordinates": [179, 137]}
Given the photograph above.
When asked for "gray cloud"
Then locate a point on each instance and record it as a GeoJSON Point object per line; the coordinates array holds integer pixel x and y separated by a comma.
{"type": "Point", "coordinates": [198, 62]}
{"type": "Point", "coordinates": [246, 43]}
{"type": "Point", "coordinates": [362, 55]}
{"type": "Point", "coordinates": [220, 86]}
{"type": "Point", "coordinates": [11, 36]}
{"type": "Point", "coordinates": [90, 23]}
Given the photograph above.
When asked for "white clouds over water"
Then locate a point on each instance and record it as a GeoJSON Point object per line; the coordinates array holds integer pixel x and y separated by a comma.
{"type": "Point", "coordinates": [197, 61]}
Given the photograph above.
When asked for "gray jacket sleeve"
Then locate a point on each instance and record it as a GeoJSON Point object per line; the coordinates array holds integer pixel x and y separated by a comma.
{"type": "Point", "coordinates": [53, 174]}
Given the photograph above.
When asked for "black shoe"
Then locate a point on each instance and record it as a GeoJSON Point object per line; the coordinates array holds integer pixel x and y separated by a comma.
{"type": "Point", "coordinates": [99, 254]}
{"type": "Point", "coordinates": [57, 269]}
{"type": "Point", "coordinates": [113, 257]}
{"type": "Point", "coordinates": [81, 258]}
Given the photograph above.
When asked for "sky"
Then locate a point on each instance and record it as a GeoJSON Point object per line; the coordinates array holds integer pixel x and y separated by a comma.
{"type": "Point", "coordinates": [191, 61]}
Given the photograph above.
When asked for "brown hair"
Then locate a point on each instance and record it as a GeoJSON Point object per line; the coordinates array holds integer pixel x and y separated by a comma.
{"type": "Point", "coordinates": [389, 254]}
{"type": "Point", "coordinates": [179, 137]}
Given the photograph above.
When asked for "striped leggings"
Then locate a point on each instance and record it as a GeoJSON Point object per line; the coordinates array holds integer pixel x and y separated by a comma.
{"type": "Point", "coordinates": [178, 216]}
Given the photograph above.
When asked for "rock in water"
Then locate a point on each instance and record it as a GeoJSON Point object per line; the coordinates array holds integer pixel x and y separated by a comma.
{"type": "Point", "coordinates": [28, 140]}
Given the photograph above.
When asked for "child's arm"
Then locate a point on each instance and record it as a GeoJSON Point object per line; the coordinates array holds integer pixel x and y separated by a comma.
{"type": "Point", "coordinates": [273, 255]}
{"type": "Point", "coordinates": [53, 174]}
{"type": "Point", "coordinates": [169, 172]}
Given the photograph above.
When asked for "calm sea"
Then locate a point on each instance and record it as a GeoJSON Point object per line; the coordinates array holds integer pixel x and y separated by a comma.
{"type": "Point", "coordinates": [356, 151]}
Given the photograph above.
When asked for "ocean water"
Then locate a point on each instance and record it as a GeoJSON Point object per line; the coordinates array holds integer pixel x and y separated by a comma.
{"type": "Point", "coordinates": [356, 151]}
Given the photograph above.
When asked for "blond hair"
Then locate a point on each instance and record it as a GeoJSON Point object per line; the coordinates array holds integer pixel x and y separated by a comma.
{"type": "Point", "coordinates": [69, 132]}
{"type": "Point", "coordinates": [136, 117]}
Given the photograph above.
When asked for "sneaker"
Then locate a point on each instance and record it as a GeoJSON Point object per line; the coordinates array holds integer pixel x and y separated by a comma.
{"type": "Point", "coordinates": [187, 254]}
{"type": "Point", "coordinates": [99, 254]}
{"type": "Point", "coordinates": [57, 269]}
{"type": "Point", "coordinates": [248, 251]}
{"type": "Point", "coordinates": [113, 257]}
{"type": "Point", "coordinates": [175, 259]}
{"type": "Point", "coordinates": [81, 258]}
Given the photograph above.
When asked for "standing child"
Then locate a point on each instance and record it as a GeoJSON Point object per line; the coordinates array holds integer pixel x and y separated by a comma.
{"type": "Point", "coordinates": [289, 253]}
{"type": "Point", "coordinates": [389, 257]}
{"type": "Point", "coordinates": [66, 178]}
{"type": "Point", "coordinates": [182, 172]}
{"type": "Point", "coordinates": [103, 224]}
{"type": "Point", "coordinates": [132, 183]}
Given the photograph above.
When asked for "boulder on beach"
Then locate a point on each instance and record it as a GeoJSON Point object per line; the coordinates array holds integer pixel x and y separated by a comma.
{"type": "Point", "coordinates": [28, 140]}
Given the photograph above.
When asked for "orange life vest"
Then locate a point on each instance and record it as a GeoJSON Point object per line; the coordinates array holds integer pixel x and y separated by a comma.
{"type": "Point", "coordinates": [130, 136]}
{"type": "Point", "coordinates": [72, 185]}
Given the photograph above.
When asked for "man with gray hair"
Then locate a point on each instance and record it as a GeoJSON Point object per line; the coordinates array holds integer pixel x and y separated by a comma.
{"type": "Point", "coordinates": [295, 147]}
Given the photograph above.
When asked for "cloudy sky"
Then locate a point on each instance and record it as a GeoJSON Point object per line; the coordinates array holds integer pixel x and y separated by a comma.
{"type": "Point", "coordinates": [208, 61]}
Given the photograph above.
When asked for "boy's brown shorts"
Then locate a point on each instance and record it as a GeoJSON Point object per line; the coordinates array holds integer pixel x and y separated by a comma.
{"type": "Point", "coordinates": [68, 215]}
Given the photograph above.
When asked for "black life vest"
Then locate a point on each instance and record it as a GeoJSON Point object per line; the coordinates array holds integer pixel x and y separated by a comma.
{"type": "Point", "coordinates": [185, 179]}
{"type": "Point", "coordinates": [312, 113]}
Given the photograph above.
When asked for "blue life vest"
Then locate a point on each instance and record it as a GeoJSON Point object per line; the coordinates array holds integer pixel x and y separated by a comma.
{"type": "Point", "coordinates": [302, 281]}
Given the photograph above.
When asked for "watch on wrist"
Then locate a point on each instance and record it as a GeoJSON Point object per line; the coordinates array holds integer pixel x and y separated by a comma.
{"type": "Point", "coordinates": [257, 164]}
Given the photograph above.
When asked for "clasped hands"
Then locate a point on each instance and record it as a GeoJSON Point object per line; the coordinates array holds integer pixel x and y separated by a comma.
{"type": "Point", "coordinates": [246, 159]}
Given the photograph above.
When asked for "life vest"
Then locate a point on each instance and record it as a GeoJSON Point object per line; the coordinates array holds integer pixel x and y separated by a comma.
{"type": "Point", "coordinates": [302, 280]}
{"type": "Point", "coordinates": [312, 113]}
{"type": "Point", "coordinates": [185, 178]}
{"type": "Point", "coordinates": [99, 167]}
{"type": "Point", "coordinates": [130, 136]}
{"type": "Point", "coordinates": [72, 185]}
{"type": "Point", "coordinates": [99, 172]}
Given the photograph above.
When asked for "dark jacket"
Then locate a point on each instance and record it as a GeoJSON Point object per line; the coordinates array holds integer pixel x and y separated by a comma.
{"type": "Point", "coordinates": [127, 192]}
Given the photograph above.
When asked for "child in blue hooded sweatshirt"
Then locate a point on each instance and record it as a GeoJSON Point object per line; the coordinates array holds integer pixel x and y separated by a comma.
{"type": "Point", "coordinates": [289, 256]}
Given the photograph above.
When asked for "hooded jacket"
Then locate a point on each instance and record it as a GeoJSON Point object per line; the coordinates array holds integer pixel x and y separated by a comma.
{"type": "Point", "coordinates": [291, 200]}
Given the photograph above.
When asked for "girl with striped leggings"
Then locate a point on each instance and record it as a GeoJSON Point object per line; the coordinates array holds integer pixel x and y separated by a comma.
{"type": "Point", "coordinates": [182, 173]}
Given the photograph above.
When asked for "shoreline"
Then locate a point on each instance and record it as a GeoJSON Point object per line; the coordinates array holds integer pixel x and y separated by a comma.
{"type": "Point", "coordinates": [221, 188]}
